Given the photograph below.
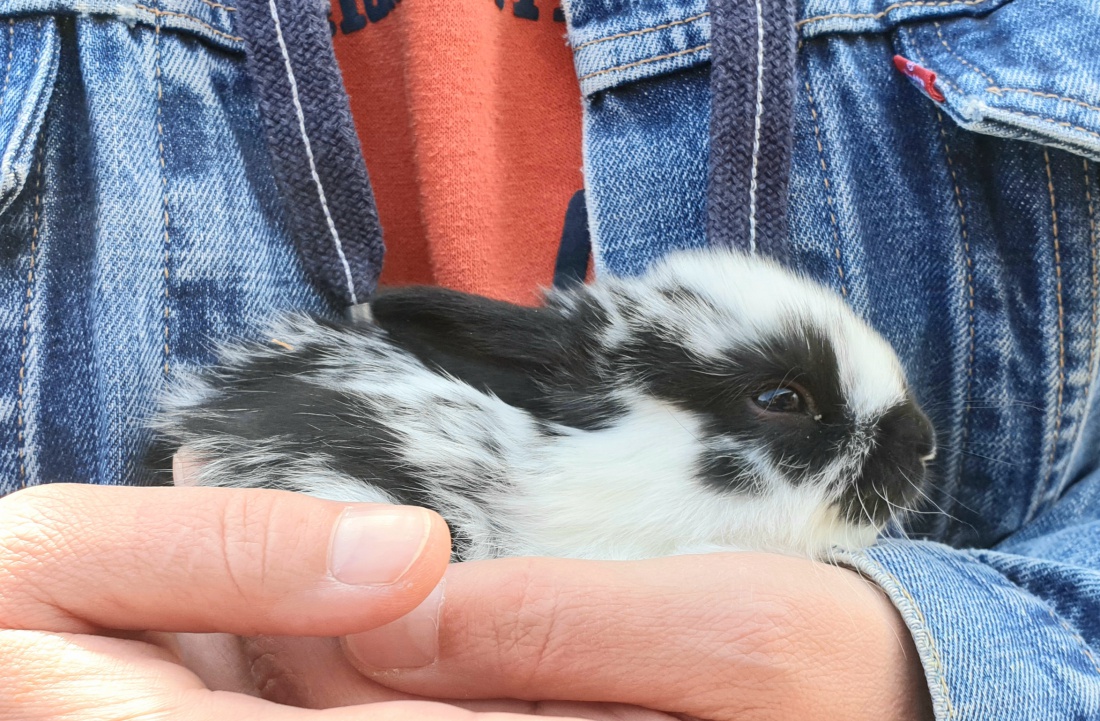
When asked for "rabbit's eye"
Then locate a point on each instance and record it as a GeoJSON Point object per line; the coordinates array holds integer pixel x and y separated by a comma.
{"type": "Point", "coordinates": [781, 400]}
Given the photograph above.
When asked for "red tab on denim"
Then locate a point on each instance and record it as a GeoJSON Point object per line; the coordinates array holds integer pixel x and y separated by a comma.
{"type": "Point", "coordinates": [923, 78]}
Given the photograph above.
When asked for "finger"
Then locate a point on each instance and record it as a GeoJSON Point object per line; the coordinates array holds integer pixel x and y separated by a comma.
{"type": "Point", "coordinates": [685, 635]}
{"type": "Point", "coordinates": [315, 673]}
{"type": "Point", "coordinates": [71, 676]}
{"type": "Point", "coordinates": [243, 561]}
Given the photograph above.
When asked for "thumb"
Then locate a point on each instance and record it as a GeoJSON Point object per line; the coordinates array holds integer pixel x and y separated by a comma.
{"type": "Point", "coordinates": [76, 558]}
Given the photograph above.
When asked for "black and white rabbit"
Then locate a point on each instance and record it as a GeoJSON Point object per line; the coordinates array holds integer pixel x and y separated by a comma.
{"type": "Point", "coordinates": [716, 402]}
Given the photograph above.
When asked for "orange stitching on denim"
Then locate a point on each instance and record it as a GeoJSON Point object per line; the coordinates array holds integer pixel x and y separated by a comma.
{"type": "Point", "coordinates": [969, 280]}
{"type": "Point", "coordinates": [960, 58]}
{"type": "Point", "coordinates": [937, 660]}
{"type": "Point", "coordinates": [1061, 319]}
{"type": "Point", "coordinates": [164, 192]}
{"type": "Point", "coordinates": [1077, 637]}
{"type": "Point", "coordinates": [219, 6]}
{"type": "Point", "coordinates": [27, 312]}
{"type": "Point", "coordinates": [207, 26]}
{"type": "Point", "coordinates": [1061, 123]}
{"type": "Point", "coordinates": [887, 11]}
{"type": "Point", "coordinates": [997, 91]}
{"type": "Point", "coordinates": [643, 31]}
{"type": "Point", "coordinates": [647, 60]}
{"type": "Point", "coordinates": [922, 61]}
{"type": "Point", "coordinates": [828, 192]}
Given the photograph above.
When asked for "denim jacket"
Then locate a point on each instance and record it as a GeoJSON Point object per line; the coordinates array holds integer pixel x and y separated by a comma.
{"type": "Point", "coordinates": [953, 198]}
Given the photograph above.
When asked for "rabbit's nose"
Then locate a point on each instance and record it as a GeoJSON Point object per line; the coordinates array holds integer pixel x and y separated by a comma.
{"type": "Point", "coordinates": [925, 443]}
{"type": "Point", "coordinates": [909, 432]}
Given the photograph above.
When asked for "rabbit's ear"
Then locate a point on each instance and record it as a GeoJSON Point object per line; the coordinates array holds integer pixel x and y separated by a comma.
{"type": "Point", "coordinates": [462, 324]}
{"type": "Point", "coordinates": [493, 345]}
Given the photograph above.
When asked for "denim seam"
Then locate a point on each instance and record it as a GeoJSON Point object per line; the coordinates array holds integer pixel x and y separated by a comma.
{"type": "Point", "coordinates": [887, 11]}
{"type": "Point", "coordinates": [955, 463]}
{"type": "Point", "coordinates": [933, 648]}
{"type": "Point", "coordinates": [1061, 123]}
{"type": "Point", "coordinates": [219, 6]}
{"type": "Point", "coordinates": [1061, 323]}
{"type": "Point", "coordinates": [997, 91]}
{"type": "Point", "coordinates": [828, 191]}
{"type": "Point", "coordinates": [921, 59]}
{"type": "Point", "coordinates": [192, 18]}
{"type": "Point", "coordinates": [636, 63]}
{"type": "Point", "coordinates": [1077, 637]}
{"type": "Point", "coordinates": [163, 191]}
{"type": "Point", "coordinates": [642, 31]}
{"type": "Point", "coordinates": [27, 315]}
{"type": "Point", "coordinates": [309, 152]}
{"type": "Point", "coordinates": [958, 57]}
{"type": "Point", "coordinates": [1095, 291]}
{"type": "Point", "coordinates": [965, 433]}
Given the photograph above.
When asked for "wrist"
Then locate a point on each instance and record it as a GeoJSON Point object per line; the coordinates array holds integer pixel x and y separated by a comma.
{"type": "Point", "coordinates": [860, 661]}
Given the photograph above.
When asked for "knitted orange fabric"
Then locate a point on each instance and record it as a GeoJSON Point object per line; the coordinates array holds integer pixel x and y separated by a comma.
{"type": "Point", "coordinates": [470, 119]}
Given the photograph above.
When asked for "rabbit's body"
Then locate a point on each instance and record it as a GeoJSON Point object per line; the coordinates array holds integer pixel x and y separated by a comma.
{"type": "Point", "coordinates": [717, 402]}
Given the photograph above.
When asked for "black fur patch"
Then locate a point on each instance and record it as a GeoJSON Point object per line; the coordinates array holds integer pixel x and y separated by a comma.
{"type": "Point", "coordinates": [540, 360]}
{"type": "Point", "coordinates": [156, 465]}
{"type": "Point", "coordinates": [722, 390]}
{"type": "Point", "coordinates": [268, 402]}
{"type": "Point", "coordinates": [301, 419]}
{"type": "Point", "coordinates": [686, 297]}
{"type": "Point", "coordinates": [893, 470]}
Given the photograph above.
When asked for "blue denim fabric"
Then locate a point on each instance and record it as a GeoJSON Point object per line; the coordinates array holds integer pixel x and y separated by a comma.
{"type": "Point", "coordinates": [139, 221]}
{"type": "Point", "coordinates": [967, 232]}
{"type": "Point", "coordinates": [315, 154]}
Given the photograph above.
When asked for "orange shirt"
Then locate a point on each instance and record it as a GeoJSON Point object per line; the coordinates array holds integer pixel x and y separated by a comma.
{"type": "Point", "coordinates": [469, 114]}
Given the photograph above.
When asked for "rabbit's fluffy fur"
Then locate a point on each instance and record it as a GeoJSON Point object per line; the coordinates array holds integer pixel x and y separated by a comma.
{"type": "Point", "coordinates": [629, 418]}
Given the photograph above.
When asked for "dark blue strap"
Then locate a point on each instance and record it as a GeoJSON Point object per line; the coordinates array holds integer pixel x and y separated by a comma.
{"type": "Point", "coordinates": [315, 153]}
{"type": "Point", "coordinates": [571, 267]}
{"type": "Point", "coordinates": [752, 86]}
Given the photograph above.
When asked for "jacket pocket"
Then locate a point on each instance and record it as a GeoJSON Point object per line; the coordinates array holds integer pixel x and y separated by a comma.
{"type": "Point", "coordinates": [29, 49]}
{"type": "Point", "coordinates": [1019, 69]}
{"type": "Point", "coordinates": [1025, 71]}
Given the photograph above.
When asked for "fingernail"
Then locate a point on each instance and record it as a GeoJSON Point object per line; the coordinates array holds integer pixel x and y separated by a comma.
{"type": "Point", "coordinates": [411, 641]}
{"type": "Point", "coordinates": [376, 545]}
{"type": "Point", "coordinates": [185, 468]}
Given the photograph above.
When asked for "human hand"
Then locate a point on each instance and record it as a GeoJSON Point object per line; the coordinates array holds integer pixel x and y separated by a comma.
{"type": "Point", "coordinates": [719, 637]}
{"type": "Point", "coordinates": [86, 572]}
